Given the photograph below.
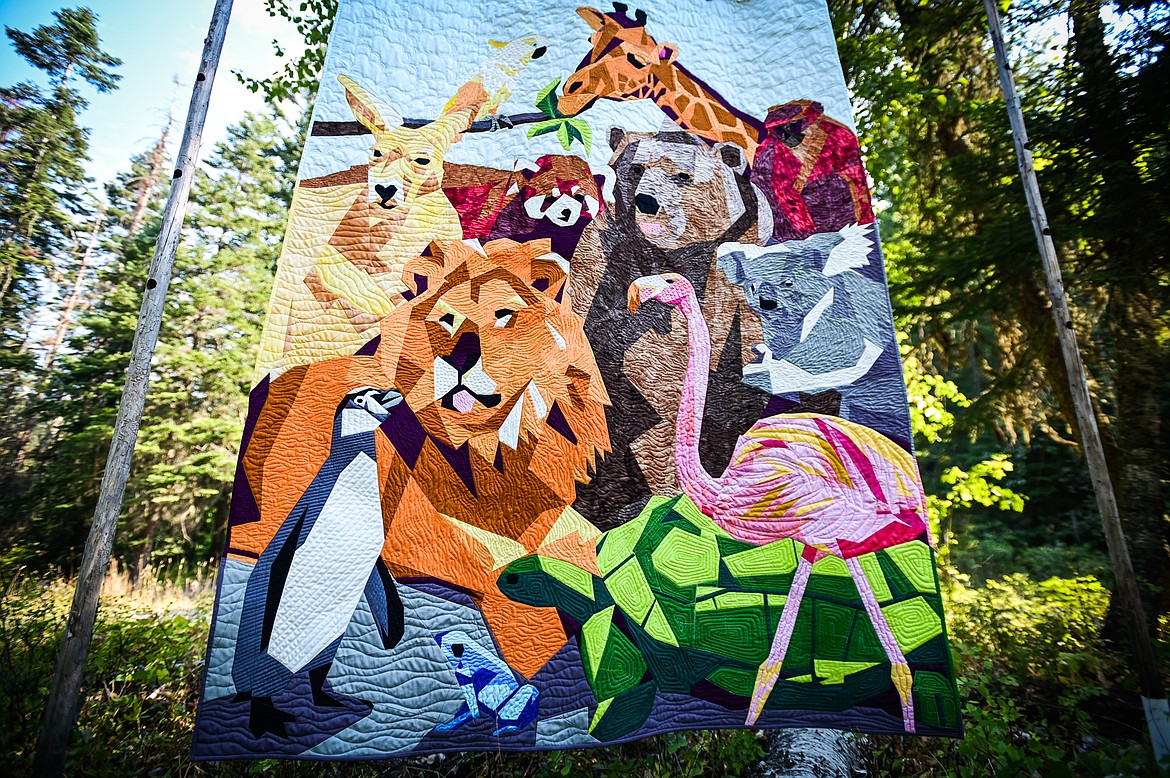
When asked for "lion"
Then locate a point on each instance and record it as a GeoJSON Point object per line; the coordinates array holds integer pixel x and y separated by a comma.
{"type": "Point", "coordinates": [506, 415]}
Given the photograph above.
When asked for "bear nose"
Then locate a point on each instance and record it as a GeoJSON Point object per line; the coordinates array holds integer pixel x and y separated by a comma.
{"type": "Point", "coordinates": [646, 204]}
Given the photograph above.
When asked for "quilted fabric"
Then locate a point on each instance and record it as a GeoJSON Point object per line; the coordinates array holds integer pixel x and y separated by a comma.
{"type": "Point", "coordinates": [578, 415]}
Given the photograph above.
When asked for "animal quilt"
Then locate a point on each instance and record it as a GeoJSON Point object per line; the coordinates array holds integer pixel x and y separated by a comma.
{"type": "Point", "coordinates": [578, 414]}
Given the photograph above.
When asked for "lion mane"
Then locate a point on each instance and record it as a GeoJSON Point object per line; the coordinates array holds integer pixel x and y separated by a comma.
{"type": "Point", "coordinates": [506, 413]}
{"type": "Point", "coordinates": [496, 367]}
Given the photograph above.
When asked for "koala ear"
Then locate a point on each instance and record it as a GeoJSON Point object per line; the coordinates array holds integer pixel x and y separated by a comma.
{"type": "Point", "coordinates": [616, 134]}
{"type": "Point", "coordinates": [732, 156]}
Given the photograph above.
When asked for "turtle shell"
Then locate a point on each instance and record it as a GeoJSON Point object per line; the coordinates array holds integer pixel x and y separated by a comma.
{"type": "Point", "coordinates": [682, 607]}
{"type": "Point", "coordinates": [703, 608]}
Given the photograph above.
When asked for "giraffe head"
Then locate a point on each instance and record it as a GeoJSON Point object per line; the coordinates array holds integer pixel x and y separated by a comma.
{"type": "Point", "coordinates": [405, 162]}
{"type": "Point", "coordinates": [625, 63]}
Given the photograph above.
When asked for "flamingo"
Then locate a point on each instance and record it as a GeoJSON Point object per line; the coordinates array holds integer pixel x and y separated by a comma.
{"type": "Point", "coordinates": [837, 487]}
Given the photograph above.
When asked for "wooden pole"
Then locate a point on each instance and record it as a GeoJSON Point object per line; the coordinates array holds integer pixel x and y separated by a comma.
{"type": "Point", "coordinates": [62, 706]}
{"type": "Point", "coordinates": [1125, 588]}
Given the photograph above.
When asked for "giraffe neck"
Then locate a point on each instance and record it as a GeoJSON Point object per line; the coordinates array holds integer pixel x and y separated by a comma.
{"type": "Point", "coordinates": [700, 109]}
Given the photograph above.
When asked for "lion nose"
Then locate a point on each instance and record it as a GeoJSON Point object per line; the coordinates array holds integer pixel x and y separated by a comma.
{"type": "Point", "coordinates": [466, 352]}
{"type": "Point", "coordinates": [646, 204]}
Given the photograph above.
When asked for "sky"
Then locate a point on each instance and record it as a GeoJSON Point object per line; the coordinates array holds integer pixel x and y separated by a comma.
{"type": "Point", "coordinates": [158, 41]}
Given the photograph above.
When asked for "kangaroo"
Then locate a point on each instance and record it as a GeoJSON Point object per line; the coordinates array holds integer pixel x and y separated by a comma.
{"type": "Point", "coordinates": [351, 232]}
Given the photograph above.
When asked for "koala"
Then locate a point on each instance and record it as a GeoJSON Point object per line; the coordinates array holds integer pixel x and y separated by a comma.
{"type": "Point", "coordinates": [825, 325]}
{"type": "Point", "coordinates": [675, 200]}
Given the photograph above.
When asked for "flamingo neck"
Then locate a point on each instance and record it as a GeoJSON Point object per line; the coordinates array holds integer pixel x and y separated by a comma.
{"type": "Point", "coordinates": [696, 482]}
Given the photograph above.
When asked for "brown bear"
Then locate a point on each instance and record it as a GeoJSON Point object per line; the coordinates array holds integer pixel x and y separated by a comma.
{"type": "Point", "coordinates": [676, 199]}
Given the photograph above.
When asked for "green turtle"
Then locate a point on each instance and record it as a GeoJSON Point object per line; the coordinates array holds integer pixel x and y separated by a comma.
{"type": "Point", "coordinates": [676, 605]}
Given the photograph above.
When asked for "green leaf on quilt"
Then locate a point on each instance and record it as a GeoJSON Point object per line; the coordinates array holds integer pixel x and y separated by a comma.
{"type": "Point", "coordinates": [541, 128]}
{"type": "Point", "coordinates": [580, 130]}
{"type": "Point", "coordinates": [546, 100]}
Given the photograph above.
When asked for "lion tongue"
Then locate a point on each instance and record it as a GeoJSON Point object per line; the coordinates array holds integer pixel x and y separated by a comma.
{"type": "Point", "coordinates": [463, 401]}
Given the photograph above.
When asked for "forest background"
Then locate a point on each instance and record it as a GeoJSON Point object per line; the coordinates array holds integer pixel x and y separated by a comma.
{"type": "Point", "coordinates": [1046, 681]}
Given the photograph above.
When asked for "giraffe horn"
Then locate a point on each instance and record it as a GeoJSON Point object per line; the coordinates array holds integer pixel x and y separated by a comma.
{"type": "Point", "coordinates": [640, 17]}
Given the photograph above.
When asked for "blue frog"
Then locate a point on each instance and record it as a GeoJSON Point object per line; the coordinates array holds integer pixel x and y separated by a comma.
{"type": "Point", "coordinates": [489, 686]}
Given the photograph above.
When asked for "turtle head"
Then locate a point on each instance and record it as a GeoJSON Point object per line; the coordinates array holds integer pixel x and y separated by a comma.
{"type": "Point", "coordinates": [544, 582]}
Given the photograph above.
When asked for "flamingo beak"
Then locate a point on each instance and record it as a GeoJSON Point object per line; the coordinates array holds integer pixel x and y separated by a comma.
{"type": "Point", "coordinates": [645, 288]}
{"type": "Point", "coordinates": [634, 297]}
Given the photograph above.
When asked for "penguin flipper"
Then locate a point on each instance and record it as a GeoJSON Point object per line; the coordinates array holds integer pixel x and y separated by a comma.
{"type": "Point", "coordinates": [386, 605]}
{"type": "Point", "coordinates": [252, 671]}
{"type": "Point", "coordinates": [278, 575]}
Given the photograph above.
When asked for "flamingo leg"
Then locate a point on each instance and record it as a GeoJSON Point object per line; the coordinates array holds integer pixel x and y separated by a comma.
{"type": "Point", "coordinates": [769, 671]}
{"type": "Point", "coordinates": [899, 667]}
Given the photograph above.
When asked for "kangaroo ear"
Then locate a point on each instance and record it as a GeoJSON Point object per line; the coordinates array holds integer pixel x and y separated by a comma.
{"type": "Point", "coordinates": [364, 109]}
{"type": "Point", "coordinates": [592, 17]}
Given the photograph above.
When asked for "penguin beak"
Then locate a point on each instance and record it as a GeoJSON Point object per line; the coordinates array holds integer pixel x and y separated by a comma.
{"type": "Point", "coordinates": [380, 410]}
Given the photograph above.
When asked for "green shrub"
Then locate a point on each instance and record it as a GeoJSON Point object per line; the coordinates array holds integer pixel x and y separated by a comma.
{"type": "Point", "coordinates": [1031, 675]}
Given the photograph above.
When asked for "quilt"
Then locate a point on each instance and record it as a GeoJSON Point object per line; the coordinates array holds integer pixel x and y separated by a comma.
{"type": "Point", "coordinates": [578, 414]}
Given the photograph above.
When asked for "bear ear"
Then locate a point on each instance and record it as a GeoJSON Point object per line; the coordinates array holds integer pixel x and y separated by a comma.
{"type": "Point", "coordinates": [732, 155]}
{"type": "Point", "coordinates": [616, 134]}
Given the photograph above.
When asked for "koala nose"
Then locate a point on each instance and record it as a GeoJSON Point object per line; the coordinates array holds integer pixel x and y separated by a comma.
{"type": "Point", "coordinates": [646, 204]}
{"type": "Point", "coordinates": [385, 193]}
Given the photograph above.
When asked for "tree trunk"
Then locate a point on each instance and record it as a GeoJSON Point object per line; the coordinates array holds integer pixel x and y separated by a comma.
{"type": "Point", "coordinates": [71, 302]}
{"type": "Point", "coordinates": [811, 753]}
{"type": "Point", "coordinates": [1134, 312]}
{"type": "Point", "coordinates": [1133, 318]}
{"type": "Point", "coordinates": [157, 160]}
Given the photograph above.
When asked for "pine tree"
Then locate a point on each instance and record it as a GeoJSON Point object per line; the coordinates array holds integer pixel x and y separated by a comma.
{"type": "Point", "coordinates": [178, 494]}
{"type": "Point", "coordinates": [42, 160]}
{"type": "Point", "coordinates": [960, 243]}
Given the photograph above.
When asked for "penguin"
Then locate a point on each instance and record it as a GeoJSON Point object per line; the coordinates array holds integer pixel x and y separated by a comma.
{"type": "Point", "coordinates": [303, 591]}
